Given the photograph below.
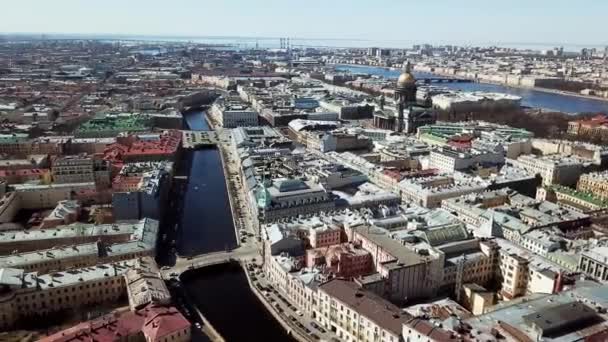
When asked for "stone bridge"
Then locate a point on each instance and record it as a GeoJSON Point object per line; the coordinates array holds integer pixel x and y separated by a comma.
{"type": "Point", "coordinates": [183, 264]}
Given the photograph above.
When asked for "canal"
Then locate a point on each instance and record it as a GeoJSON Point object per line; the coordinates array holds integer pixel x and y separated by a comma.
{"type": "Point", "coordinates": [530, 97]}
{"type": "Point", "coordinates": [206, 223]}
{"type": "Point", "coordinates": [220, 292]}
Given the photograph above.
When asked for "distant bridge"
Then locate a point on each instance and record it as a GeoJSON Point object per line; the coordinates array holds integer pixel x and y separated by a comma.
{"type": "Point", "coordinates": [443, 79]}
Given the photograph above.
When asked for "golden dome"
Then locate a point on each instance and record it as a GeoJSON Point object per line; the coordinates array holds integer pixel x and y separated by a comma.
{"type": "Point", "coordinates": [405, 79]}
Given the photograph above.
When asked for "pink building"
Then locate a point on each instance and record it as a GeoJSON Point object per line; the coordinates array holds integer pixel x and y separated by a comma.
{"type": "Point", "coordinates": [344, 260]}
{"type": "Point", "coordinates": [324, 236]}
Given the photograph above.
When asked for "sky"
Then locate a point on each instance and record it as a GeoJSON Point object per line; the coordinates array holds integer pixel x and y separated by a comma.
{"type": "Point", "coordinates": [391, 22]}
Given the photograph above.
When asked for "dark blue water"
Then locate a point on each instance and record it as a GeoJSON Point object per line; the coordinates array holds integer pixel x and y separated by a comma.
{"type": "Point", "coordinates": [196, 121]}
{"type": "Point", "coordinates": [206, 224]}
{"type": "Point", "coordinates": [530, 98]}
{"type": "Point", "coordinates": [222, 294]}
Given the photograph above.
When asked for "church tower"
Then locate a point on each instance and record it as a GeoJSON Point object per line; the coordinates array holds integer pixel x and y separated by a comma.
{"type": "Point", "coordinates": [405, 96]}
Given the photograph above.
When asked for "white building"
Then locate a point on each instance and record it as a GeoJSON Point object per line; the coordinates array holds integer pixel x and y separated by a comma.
{"type": "Point", "coordinates": [428, 192]}
{"type": "Point", "coordinates": [232, 113]}
{"type": "Point", "coordinates": [554, 169]}
{"type": "Point", "coordinates": [450, 160]}
{"type": "Point", "coordinates": [475, 101]}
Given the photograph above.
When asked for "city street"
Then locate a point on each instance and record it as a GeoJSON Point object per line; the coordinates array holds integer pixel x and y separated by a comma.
{"type": "Point", "coordinates": [278, 300]}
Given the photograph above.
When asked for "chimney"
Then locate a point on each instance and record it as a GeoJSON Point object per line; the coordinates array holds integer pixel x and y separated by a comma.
{"type": "Point", "coordinates": [559, 283]}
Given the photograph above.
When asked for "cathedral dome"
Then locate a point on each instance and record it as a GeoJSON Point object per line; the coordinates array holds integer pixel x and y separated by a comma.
{"type": "Point", "coordinates": [406, 78]}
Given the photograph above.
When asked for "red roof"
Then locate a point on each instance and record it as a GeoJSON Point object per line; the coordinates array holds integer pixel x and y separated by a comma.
{"type": "Point", "coordinates": [154, 322]}
{"type": "Point", "coordinates": [161, 321]}
{"type": "Point", "coordinates": [598, 120]}
{"type": "Point", "coordinates": [23, 172]}
{"type": "Point", "coordinates": [167, 144]}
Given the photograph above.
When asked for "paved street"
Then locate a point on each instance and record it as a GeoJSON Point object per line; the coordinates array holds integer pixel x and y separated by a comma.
{"type": "Point", "coordinates": [292, 316]}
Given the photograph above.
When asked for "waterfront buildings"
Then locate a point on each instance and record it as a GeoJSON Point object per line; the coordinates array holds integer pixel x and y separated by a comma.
{"type": "Point", "coordinates": [476, 102]}
{"type": "Point", "coordinates": [357, 315]}
{"type": "Point", "coordinates": [141, 190]}
{"type": "Point", "coordinates": [292, 197]}
{"type": "Point", "coordinates": [232, 112]}
{"type": "Point", "coordinates": [595, 127]}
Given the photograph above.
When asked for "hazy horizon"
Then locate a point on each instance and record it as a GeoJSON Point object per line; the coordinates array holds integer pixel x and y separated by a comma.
{"type": "Point", "coordinates": [471, 23]}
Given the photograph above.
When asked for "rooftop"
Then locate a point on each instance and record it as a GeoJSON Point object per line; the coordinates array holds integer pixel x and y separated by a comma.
{"type": "Point", "coordinates": [367, 304]}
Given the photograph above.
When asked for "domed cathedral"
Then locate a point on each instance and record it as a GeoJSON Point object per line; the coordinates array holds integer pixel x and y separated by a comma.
{"type": "Point", "coordinates": [410, 114]}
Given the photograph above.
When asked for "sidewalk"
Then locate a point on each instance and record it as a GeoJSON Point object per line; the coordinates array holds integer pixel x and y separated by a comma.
{"type": "Point", "coordinates": [289, 313]}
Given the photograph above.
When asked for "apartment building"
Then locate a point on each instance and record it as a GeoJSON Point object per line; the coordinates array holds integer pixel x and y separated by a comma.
{"type": "Point", "coordinates": [292, 197]}
{"type": "Point", "coordinates": [521, 272]}
{"type": "Point", "coordinates": [450, 160]}
{"type": "Point", "coordinates": [430, 191]}
{"type": "Point", "coordinates": [594, 127]}
{"type": "Point", "coordinates": [357, 315]}
{"type": "Point", "coordinates": [554, 169]}
{"type": "Point", "coordinates": [298, 283]}
{"type": "Point", "coordinates": [145, 285]}
{"type": "Point", "coordinates": [44, 196]}
{"type": "Point", "coordinates": [31, 294]}
{"type": "Point", "coordinates": [595, 183]}
{"type": "Point", "coordinates": [594, 263]}
{"type": "Point", "coordinates": [145, 230]}
{"type": "Point", "coordinates": [402, 273]}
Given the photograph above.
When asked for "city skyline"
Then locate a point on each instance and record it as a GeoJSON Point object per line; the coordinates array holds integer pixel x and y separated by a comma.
{"type": "Point", "coordinates": [385, 23]}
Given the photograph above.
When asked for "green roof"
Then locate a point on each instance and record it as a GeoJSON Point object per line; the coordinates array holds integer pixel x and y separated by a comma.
{"type": "Point", "coordinates": [581, 195]}
{"type": "Point", "coordinates": [434, 136]}
{"type": "Point", "coordinates": [445, 234]}
{"type": "Point", "coordinates": [116, 123]}
{"type": "Point", "coordinates": [12, 138]}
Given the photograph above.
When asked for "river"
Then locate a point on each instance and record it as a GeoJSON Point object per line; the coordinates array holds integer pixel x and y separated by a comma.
{"type": "Point", "coordinates": [220, 292]}
{"type": "Point", "coordinates": [530, 97]}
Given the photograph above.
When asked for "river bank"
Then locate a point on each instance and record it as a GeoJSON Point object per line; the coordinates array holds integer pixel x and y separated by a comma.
{"type": "Point", "coordinates": [223, 295]}
{"type": "Point", "coordinates": [553, 100]}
